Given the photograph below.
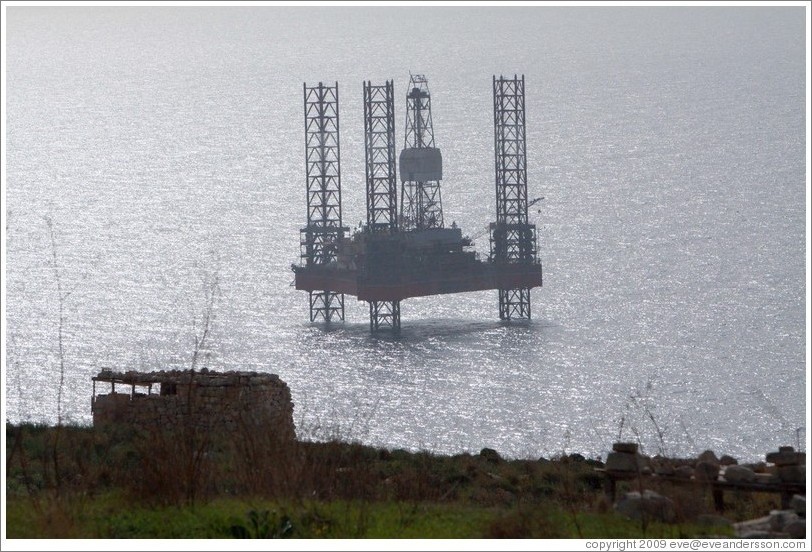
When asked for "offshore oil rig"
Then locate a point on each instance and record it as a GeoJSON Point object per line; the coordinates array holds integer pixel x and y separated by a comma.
{"type": "Point", "coordinates": [410, 253]}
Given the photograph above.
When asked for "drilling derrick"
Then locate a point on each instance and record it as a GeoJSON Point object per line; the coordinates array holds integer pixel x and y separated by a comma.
{"type": "Point", "coordinates": [382, 208]}
{"type": "Point", "coordinates": [320, 238]}
{"type": "Point", "coordinates": [421, 164]}
{"type": "Point", "coordinates": [513, 240]}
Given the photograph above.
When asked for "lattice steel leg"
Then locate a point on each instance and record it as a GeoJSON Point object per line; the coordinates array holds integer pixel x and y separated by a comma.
{"type": "Point", "coordinates": [326, 305]}
{"type": "Point", "coordinates": [514, 304]}
{"type": "Point", "coordinates": [384, 315]}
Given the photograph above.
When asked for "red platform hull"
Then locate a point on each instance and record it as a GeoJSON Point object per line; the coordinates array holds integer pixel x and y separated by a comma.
{"type": "Point", "coordinates": [485, 276]}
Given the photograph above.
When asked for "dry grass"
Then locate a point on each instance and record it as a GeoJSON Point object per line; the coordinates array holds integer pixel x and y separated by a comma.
{"type": "Point", "coordinates": [187, 467]}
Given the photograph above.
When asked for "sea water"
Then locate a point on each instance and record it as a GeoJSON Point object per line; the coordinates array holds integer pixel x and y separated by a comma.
{"type": "Point", "coordinates": [165, 148]}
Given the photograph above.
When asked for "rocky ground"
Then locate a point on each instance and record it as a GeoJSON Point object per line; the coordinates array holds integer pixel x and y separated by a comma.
{"type": "Point", "coordinates": [783, 472]}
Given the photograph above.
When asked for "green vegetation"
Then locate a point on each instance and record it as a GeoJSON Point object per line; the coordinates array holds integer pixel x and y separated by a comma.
{"type": "Point", "coordinates": [79, 482]}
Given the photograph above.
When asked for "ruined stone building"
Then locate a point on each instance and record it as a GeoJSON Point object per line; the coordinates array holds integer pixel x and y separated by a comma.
{"type": "Point", "coordinates": [214, 401]}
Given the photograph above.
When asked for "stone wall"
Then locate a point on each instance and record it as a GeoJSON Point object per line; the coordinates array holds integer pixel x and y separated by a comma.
{"type": "Point", "coordinates": [229, 402]}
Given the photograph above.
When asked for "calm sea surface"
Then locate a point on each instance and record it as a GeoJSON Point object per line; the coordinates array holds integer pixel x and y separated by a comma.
{"type": "Point", "coordinates": [166, 146]}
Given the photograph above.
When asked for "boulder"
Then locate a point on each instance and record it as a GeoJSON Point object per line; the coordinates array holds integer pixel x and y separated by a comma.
{"type": "Point", "coordinates": [490, 455]}
{"type": "Point", "coordinates": [796, 529]}
{"type": "Point", "coordinates": [766, 478]}
{"type": "Point", "coordinates": [575, 457]}
{"type": "Point", "coordinates": [650, 504]}
{"type": "Point", "coordinates": [684, 472]}
{"type": "Point", "coordinates": [739, 474]}
{"type": "Point", "coordinates": [780, 519]}
{"type": "Point", "coordinates": [798, 505]}
{"type": "Point", "coordinates": [757, 467]}
{"type": "Point", "coordinates": [663, 466]}
{"type": "Point", "coordinates": [758, 525]}
{"type": "Point", "coordinates": [713, 520]}
{"type": "Point", "coordinates": [708, 456]}
{"type": "Point", "coordinates": [727, 460]}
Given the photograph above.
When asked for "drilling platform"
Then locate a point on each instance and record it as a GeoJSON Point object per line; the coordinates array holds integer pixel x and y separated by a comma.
{"type": "Point", "coordinates": [410, 253]}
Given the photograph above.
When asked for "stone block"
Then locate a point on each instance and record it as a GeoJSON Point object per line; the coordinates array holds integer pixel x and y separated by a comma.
{"type": "Point", "coordinates": [739, 474]}
{"type": "Point", "coordinates": [761, 524]}
{"type": "Point", "coordinates": [706, 471]}
{"type": "Point", "coordinates": [780, 518]}
{"type": "Point", "coordinates": [757, 467]}
{"type": "Point", "coordinates": [796, 529]}
{"type": "Point", "coordinates": [650, 504]}
{"type": "Point", "coordinates": [792, 474]}
{"type": "Point", "coordinates": [623, 462]}
{"type": "Point", "coordinates": [684, 472]}
{"type": "Point", "coordinates": [785, 456]}
{"type": "Point", "coordinates": [630, 448]}
{"type": "Point", "coordinates": [663, 467]}
{"type": "Point", "coordinates": [798, 505]}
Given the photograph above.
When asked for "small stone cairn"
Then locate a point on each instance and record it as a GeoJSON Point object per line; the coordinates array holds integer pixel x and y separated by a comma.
{"type": "Point", "coordinates": [625, 459]}
{"type": "Point", "coordinates": [790, 466]}
{"type": "Point", "coordinates": [626, 462]}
